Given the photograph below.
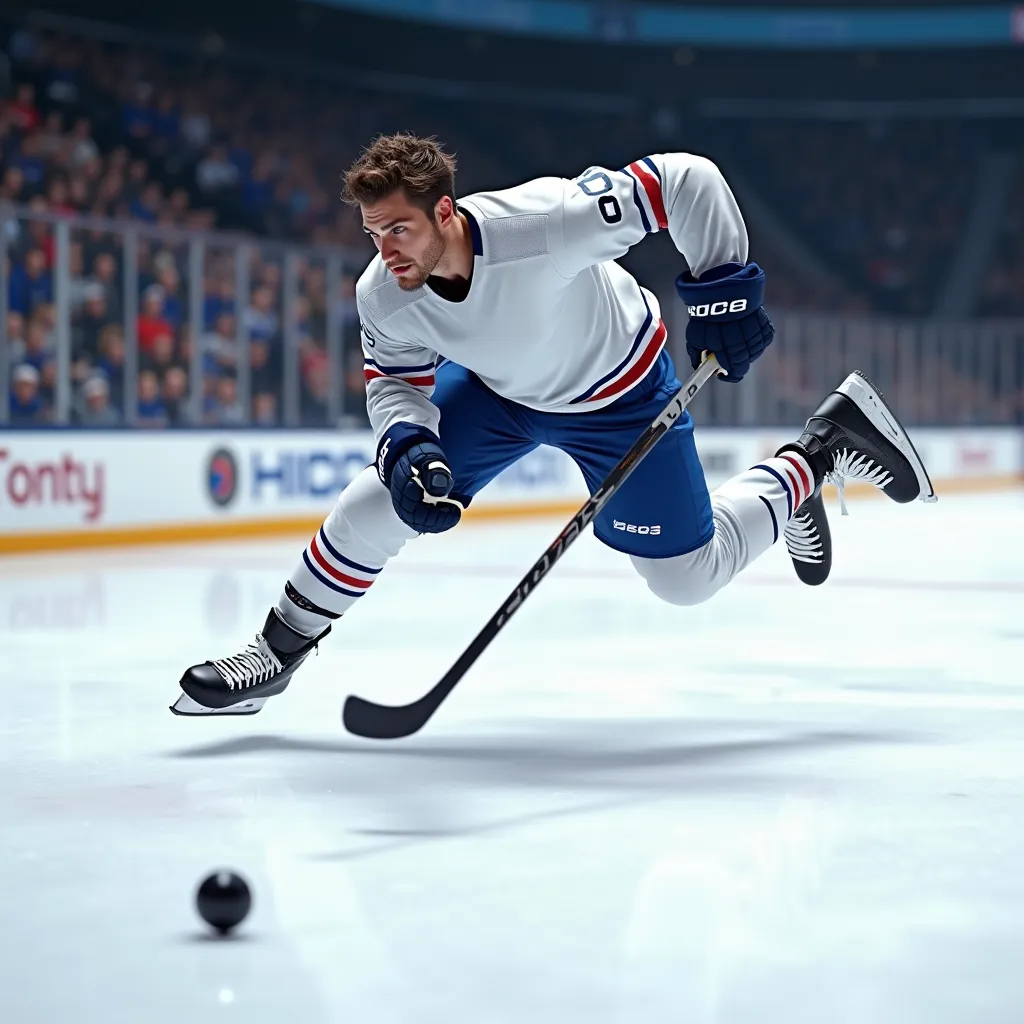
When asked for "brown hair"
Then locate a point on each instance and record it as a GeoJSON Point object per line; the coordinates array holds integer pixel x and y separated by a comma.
{"type": "Point", "coordinates": [401, 161]}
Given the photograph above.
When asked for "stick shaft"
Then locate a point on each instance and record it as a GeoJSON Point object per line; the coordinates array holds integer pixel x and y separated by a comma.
{"type": "Point", "coordinates": [380, 721]}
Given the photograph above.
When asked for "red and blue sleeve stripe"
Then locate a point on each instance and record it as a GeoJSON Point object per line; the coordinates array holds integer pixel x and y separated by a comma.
{"type": "Point", "coordinates": [647, 193]}
{"type": "Point", "coordinates": [421, 376]}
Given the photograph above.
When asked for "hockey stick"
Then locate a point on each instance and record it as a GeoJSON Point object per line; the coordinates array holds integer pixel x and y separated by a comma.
{"type": "Point", "coordinates": [388, 722]}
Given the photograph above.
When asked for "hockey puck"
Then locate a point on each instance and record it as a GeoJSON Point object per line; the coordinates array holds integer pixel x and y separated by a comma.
{"type": "Point", "coordinates": [223, 900]}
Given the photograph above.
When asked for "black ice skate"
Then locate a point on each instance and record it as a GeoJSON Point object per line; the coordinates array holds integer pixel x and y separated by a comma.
{"type": "Point", "coordinates": [853, 435]}
{"type": "Point", "coordinates": [241, 683]}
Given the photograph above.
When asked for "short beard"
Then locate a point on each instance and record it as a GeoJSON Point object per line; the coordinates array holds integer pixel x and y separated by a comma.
{"type": "Point", "coordinates": [418, 274]}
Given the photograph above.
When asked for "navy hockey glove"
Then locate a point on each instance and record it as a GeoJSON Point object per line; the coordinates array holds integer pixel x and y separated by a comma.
{"type": "Point", "coordinates": [411, 464]}
{"type": "Point", "coordinates": [726, 316]}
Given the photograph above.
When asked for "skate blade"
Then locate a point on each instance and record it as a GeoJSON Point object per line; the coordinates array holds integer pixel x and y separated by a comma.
{"type": "Point", "coordinates": [866, 397]}
{"type": "Point", "coordinates": [186, 706]}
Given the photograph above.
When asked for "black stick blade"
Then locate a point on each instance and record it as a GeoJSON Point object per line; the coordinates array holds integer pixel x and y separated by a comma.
{"type": "Point", "coordinates": [386, 722]}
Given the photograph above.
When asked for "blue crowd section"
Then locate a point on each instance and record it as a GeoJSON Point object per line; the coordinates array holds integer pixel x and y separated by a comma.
{"type": "Point", "coordinates": [661, 24]}
{"type": "Point", "coordinates": [154, 137]}
{"type": "Point", "coordinates": [133, 133]}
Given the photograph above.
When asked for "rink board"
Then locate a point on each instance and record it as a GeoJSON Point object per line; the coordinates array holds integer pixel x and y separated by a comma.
{"type": "Point", "coordinates": [64, 489]}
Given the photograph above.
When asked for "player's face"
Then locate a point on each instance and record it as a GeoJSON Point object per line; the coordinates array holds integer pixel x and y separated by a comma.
{"type": "Point", "coordinates": [410, 243]}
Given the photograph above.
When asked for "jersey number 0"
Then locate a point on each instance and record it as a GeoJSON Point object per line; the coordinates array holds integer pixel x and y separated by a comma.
{"type": "Point", "coordinates": [597, 185]}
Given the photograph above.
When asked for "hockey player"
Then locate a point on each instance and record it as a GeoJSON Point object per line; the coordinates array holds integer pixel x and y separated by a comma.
{"type": "Point", "coordinates": [499, 322]}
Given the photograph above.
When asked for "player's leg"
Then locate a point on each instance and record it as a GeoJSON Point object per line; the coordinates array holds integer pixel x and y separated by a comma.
{"type": "Point", "coordinates": [687, 543]}
{"type": "Point", "coordinates": [852, 436]}
{"type": "Point", "coordinates": [481, 435]}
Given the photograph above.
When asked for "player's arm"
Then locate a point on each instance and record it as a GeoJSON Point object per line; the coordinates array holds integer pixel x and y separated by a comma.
{"type": "Point", "coordinates": [399, 380]}
{"type": "Point", "coordinates": [409, 461]}
{"type": "Point", "coordinates": [604, 213]}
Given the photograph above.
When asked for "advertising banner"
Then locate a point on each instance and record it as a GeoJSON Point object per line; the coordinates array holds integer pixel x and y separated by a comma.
{"type": "Point", "coordinates": [63, 488]}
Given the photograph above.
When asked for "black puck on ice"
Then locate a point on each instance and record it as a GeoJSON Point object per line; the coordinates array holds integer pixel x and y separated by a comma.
{"type": "Point", "coordinates": [223, 900]}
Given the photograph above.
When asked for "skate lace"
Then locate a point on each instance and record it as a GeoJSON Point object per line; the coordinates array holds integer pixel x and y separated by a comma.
{"type": "Point", "coordinates": [854, 466]}
{"type": "Point", "coordinates": [256, 664]}
{"type": "Point", "coordinates": [803, 540]}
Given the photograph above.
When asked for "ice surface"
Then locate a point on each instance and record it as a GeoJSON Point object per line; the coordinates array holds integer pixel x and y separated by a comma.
{"type": "Point", "coordinates": [788, 805]}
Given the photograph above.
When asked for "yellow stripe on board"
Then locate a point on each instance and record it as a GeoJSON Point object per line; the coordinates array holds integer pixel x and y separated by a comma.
{"type": "Point", "coordinates": [243, 529]}
{"type": "Point", "coordinates": [158, 533]}
{"type": "Point", "coordinates": [229, 529]}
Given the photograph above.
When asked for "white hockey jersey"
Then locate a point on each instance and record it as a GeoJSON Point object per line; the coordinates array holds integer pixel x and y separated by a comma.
{"type": "Point", "coordinates": [550, 321]}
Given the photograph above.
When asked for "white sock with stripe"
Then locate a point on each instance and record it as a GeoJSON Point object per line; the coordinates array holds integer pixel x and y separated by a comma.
{"type": "Point", "coordinates": [751, 512]}
{"type": "Point", "coordinates": [759, 503]}
{"type": "Point", "coordinates": [328, 581]}
{"type": "Point", "coordinates": [787, 481]}
{"type": "Point", "coordinates": [344, 557]}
